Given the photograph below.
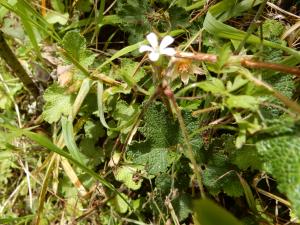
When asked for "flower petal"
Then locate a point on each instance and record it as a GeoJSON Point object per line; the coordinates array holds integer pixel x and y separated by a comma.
{"type": "Point", "coordinates": [168, 51]}
{"type": "Point", "coordinates": [185, 78]}
{"type": "Point", "coordinates": [153, 40]}
{"type": "Point", "coordinates": [166, 41]}
{"type": "Point", "coordinates": [154, 56]}
{"type": "Point", "coordinates": [145, 48]}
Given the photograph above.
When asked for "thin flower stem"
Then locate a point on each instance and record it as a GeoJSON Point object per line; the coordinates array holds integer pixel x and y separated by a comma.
{"type": "Point", "coordinates": [289, 103]}
{"type": "Point", "coordinates": [197, 170]}
{"type": "Point", "coordinates": [205, 110]}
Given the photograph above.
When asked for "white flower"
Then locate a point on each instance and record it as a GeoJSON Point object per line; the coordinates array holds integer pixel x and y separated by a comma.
{"type": "Point", "coordinates": [157, 50]}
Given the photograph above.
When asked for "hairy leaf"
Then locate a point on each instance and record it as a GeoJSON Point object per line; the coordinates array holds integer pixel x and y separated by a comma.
{"type": "Point", "coordinates": [281, 157]}
{"type": "Point", "coordinates": [134, 17]}
{"type": "Point", "coordinates": [75, 45]}
{"type": "Point", "coordinates": [126, 174]}
{"type": "Point", "coordinates": [162, 140]}
{"type": "Point", "coordinates": [220, 176]}
{"type": "Point", "coordinates": [58, 103]}
{"type": "Point", "coordinates": [182, 206]}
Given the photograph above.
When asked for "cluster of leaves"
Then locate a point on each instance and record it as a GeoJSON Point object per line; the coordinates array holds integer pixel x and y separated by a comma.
{"type": "Point", "coordinates": [101, 116]}
{"type": "Point", "coordinates": [140, 16]}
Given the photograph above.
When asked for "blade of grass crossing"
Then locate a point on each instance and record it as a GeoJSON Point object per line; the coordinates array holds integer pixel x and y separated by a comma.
{"type": "Point", "coordinates": [44, 189]}
{"type": "Point", "coordinates": [100, 104]}
{"type": "Point", "coordinates": [83, 92]}
{"type": "Point", "coordinates": [30, 31]}
{"type": "Point", "coordinates": [68, 134]}
{"type": "Point", "coordinates": [213, 26]}
{"type": "Point", "coordinates": [45, 142]}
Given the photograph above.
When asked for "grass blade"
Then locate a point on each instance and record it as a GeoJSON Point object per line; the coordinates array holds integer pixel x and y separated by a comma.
{"type": "Point", "coordinates": [100, 104]}
{"type": "Point", "coordinates": [213, 26]}
{"type": "Point", "coordinates": [68, 134]}
{"type": "Point", "coordinates": [46, 143]}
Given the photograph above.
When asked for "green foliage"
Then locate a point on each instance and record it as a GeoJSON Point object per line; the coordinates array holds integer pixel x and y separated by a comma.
{"type": "Point", "coordinates": [209, 213]}
{"type": "Point", "coordinates": [75, 45]}
{"type": "Point", "coordinates": [133, 161]}
{"type": "Point", "coordinates": [118, 203]}
{"type": "Point", "coordinates": [178, 17]}
{"type": "Point", "coordinates": [281, 157]}
{"type": "Point", "coordinates": [125, 174]}
{"type": "Point", "coordinates": [219, 175]}
{"type": "Point", "coordinates": [6, 169]}
{"type": "Point", "coordinates": [93, 131]}
{"type": "Point", "coordinates": [162, 142]}
{"type": "Point", "coordinates": [135, 16]}
{"type": "Point", "coordinates": [127, 72]}
{"type": "Point", "coordinates": [182, 206]}
{"type": "Point", "coordinates": [58, 103]}
{"type": "Point", "coordinates": [242, 101]}
{"type": "Point", "coordinates": [213, 85]}
{"type": "Point", "coordinates": [272, 28]}
{"type": "Point", "coordinates": [246, 157]}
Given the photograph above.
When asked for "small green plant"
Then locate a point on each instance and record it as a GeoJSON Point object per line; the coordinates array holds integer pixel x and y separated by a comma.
{"type": "Point", "coordinates": [146, 114]}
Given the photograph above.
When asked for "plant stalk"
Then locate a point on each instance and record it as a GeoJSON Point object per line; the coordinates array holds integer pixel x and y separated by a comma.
{"type": "Point", "coordinates": [11, 60]}
{"type": "Point", "coordinates": [197, 170]}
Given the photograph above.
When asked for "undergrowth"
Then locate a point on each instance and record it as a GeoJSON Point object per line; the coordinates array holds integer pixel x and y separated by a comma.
{"type": "Point", "coordinates": [199, 127]}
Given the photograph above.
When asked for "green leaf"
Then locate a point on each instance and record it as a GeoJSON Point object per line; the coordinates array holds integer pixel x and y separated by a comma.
{"type": "Point", "coordinates": [124, 113]}
{"type": "Point", "coordinates": [160, 128]}
{"type": "Point", "coordinates": [223, 55]}
{"type": "Point", "coordinates": [213, 85]}
{"type": "Point", "coordinates": [125, 174]}
{"type": "Point", "coordinates": [68, 134]}
{"type": "Point", "coordinates": [182, 206]}
{"type": "Point", "coordinates": [272, 28]}
{"type": "Point", "coordinates": [128, 73]}
{"type": "Point", "coordinates": [55, 17]}
{"type": "Point", "coordinates": [12, 27]}
{"type": "Point", "coordinates": [281, 157]}
{"type": "Point", "coordinates": [156, 161]}
{"type": "Point", "coordinates": [209, 213]}
{"type": "Point", "coordinates": [93, 130]}
{"type": "Point", "coordinates": [238, 82]}
{"type": "Point", "coordinates": [57, 5]}
{"type": "Point", "coordinates": [220, 174]}
{"type": "Point", "coordinates": [246, 157]}
{"type": "Point", "coordinates": [163, 137]}
{"type": "Point", "coordinates": [248, 194]}
{"type": "Point", "coordinates": [134, 18]}
{"type": "Point", "coordinates": [284, 83]}
{"type": "Point", "coordinates": [17, 220]}
{"type": "Point", "coordinates": [32, 32]}
{"type": "Point", "coordinates": [163, 183]}
{"type": "Point", "coordinates": [215, 27]}
{"type": "Point", "coordinates": [242, 101]}
{"type": "Point", "coordinates": [58, 103]}
{"type": "Point", "coordinates": [75, 45]}
{"type": "Point", "coordinates": [178, 17]}
{"type": "Point", "coordinates": [119, 204]}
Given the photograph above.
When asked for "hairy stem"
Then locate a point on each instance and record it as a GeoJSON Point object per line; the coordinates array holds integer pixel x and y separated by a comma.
{"type": "Point", "coordinates": [197, 170]}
